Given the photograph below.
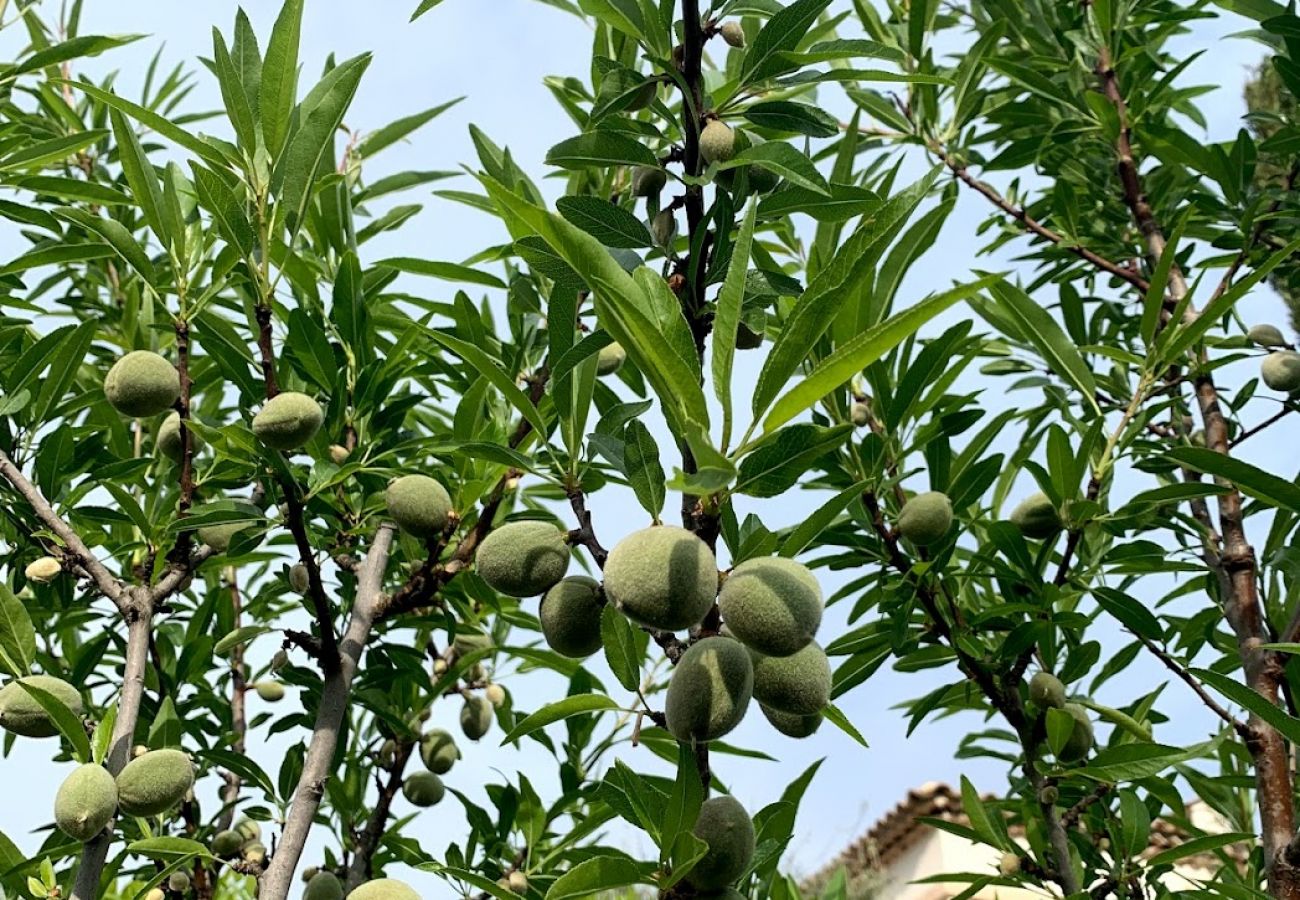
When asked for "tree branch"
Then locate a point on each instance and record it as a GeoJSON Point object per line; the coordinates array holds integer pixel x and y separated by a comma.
{"type": "Point", "coordinates": [1178, 669]}
{"type": "Point", "coordinates": [107, 583]}
{"type": "Point", "coordinates": [359, 871]}
{"type": "Point", "coordinates": [238, 690]}
{"type": "Point", "coordinates": [276, 880]}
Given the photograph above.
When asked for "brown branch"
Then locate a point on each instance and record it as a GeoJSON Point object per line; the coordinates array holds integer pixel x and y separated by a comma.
{"type": "Point", "coordinates": [1271, 420]}
{"type": "Point", "coordinates": [360, 871]}
{"type": "Point", "coordinates": [107, 583]}
{"type": "Point", "coordinates": [276, 881]}
{"type": "Point", "coordinates": [238, 690]}
{"type": "Point", "coordinates": [1074, 813]}
{"type": "Point", "coordinates": [266, 348]}
{"type": "Point", "coordinates": [584, 535]}
{"type": "Point", "coordinates": [1181, 671]}
{"type": "Point", "coordinates": [181, 551]}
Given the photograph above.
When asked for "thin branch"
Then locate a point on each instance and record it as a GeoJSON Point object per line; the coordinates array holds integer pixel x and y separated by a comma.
{"type": "Point", "coordinates": [360, 870]}
{"type": "Point", "coordinates": [181, 550]}
{"type": "Point", "coordinates": [107, 583]}
{"type": "Point", "coordinates": [276, 881]}
{"type": "Point", "coordinates": [1271, 420]}
{"type": "Point", "coordinates": [238, 691]}
{"type": "Point", "coordinates": [1181, 671]}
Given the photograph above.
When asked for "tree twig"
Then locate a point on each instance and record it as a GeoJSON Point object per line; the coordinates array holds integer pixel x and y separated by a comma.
{"type": "Point", "coordinates": [360, 870]}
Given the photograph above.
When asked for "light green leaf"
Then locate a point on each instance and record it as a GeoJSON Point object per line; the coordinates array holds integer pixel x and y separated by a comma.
{"type": "Point", "coordinates": [444, 271]}
{"type": "Point", "coordinates": [1251, 480]}
{"type": "Point", "coordinates": [726, 322]}
{"type": "Point", "coordinates": [600, 148]}
{"type": "Point", "coordinates": [575, 705]}
{"type": "Point", "coordinates": [601, 873]}
{"type": "Point", "coordinates": [786, 161]}
{"type": "Point", "coordinates": [140, 175]}
{"type": "Point", "coordinates": [624, 646]}
{"type": "Point", "coordinates": [1252, 701]}
{"type": "Point", "coordinates": [17, 635]}
{"type": "Point", "coordinates": [239, 636]}
{"type": "Point", "coordinates": [68, 722]}
{"type": "Point", "coordinates": [168, 848]}
{"type": "Point", "coordinates": [642, 467]}
{"type": "Point", "coordinates": [155, 122]}
{"type": "Point", "coordinates": [116, 234]}
{"type": "Point", "coordinates": [1048, 338]}
{"type": "Point", "coordinates": [489, 369]}
{"type": "Point", "coordinates": [279, 88]}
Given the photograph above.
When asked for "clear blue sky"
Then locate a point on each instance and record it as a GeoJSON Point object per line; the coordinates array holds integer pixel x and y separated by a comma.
{"type": "Point", "coordinates": [498, 59]}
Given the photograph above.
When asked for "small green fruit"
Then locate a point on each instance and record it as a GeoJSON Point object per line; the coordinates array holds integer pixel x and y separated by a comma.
{"type": "Point", "coordinates": [22, 715]}
{"type": "Point", "coordinates": [747, 338]}
{"type": "Point", "coordinates": [648, 181]}
{"type": "Point", "coordinates": [308, 874]}
{"type": "Point", "coordinates": [610, 359]}
{"type": "Point", "coordinates": [570, 617]}
{"type": "Point", "coordinates": [339, 454]}
{"type": "Point", "coordinates": [1009, 864]}
{"type": "Point", "coordinates": [926, 518]}
{"type": "Point", "coordinates": [496, 694]}
{"type": "Point", "coordinates": [169, 438]}
{"type": "Point", "coordinates": [663, 576]}
{"type": "Point", "coordinates": [772, 605]}
{"type": "Point", "coordinates": [860, 413]}
{"type": "Point", "coordinates": [270, 691]}
{"type": "Point", "coordinates": [800, 683]}
{"type": "Point", "coordinates": [663, 227]}
{"type": "Point", "coordinates": [1266, 336]}
{"type": "Point", "coordinates": [155, 782]}
{"type": "Point", "coordinates": [439, 751]}
{"type": "Point", "coordinates": [1036, 517]}
{"type": "Point", "coordinates": [717, 142]}
{"type": "Point", "coordinates": [254, 852]}
{"type": "Point", "coordinates": [419, 505]}
{"type": "Point", "coordinates": [518, 882]}
{"type": "Point", "coordinates": [299, 578]}
{"type": "Point", "coordinates": [733, 34]}
{"type": "Point", "coordinates": [323, 886]}
{"type": "Point", "coordinates": [288, 421]}
{"type": "Point", "coordinates": [726, 827]}
{"type": "Point", "coordinates": [142, 384]}
{"type": "Point", "coordinates": [1280, 370]}
{"type": "Point", "coordinates": [384, 889]}
{"type": "Point", "coordinates": [792, 724]}
{"type": "Point", "coordinates": [423, 789]}
{"type": "Point", "coordinates": [249, 830]}
{"type": "Point", "coordinates": [1079, 744]}
{"type": "Point", "coordinates": [44, 570]}
{"type": "Point", "coordinates": [475, 717]}
{"type": "Point", "coordinates": [85, 802]}
{"type": "Point", "coordinates": [219, 537]}
{"type": "Point", "coordinates": [178, 882]}
{"type": "Point", "coordinates": [226, 844]}
{"type": "Point", "coordinates": [469, 641]}
{"type": "Point", "coordinates": [523, 559]}
{"type": "Point", "coordinates": [1049, 795]}
{"type": "Point", "coordinates": [155, 894]}
{"type": "Point", "coordinates": [279, 660]}
{"type": "Point", "coordinates": [709, 690]}
{"type": "Point", "coordinates": [1046, 691]}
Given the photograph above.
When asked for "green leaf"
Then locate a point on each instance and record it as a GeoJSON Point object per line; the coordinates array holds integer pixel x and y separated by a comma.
{"type": "Point", "coordinates": [807, 531]}
{"type": "Point", "coordinates": [444, 271]}
{"type": "Point", "coordinates": [726, 322]}
{"type": "Point", "coordinates": [1251, 480]}
{"type": "Point", "coordinates": [978, 816]}
{"type": "Point", "coordinates": [73, 189]}
{"type": "Point", "coordinates": [1056, 347]}
{"type": "Point", "coordinates": [116, 234]}
{"type": "Point", "coordinates": [395, 131]}
{"type": "Point", "coordinates": [140, 175]}
{"type": "Point", "coordinates": [600, 148]}
{"type": "Point", "coordinates": [642, 467]}
{"type": "Point", "coordinates": [845, 202]}
{"type": "Point", "coordinates": [601, 873]}
{"type": "Point", "coordinates": [786, 161]}
{"type": "Point", "coordinates": [241, 635]}
{"type": "Point", "coordinates": [794, 118]}
{"type": "Point", "coordinates": [683, 803]}
{"type": "Point", "coordinates": [841, 721]}
{"type": "Point", "coordinates": [1132, 762]}
{"type": "Point", "coordinates": [155, 122]}
{"type": "Point", "coordinates": [233, 94]}
{"type": "Point", "coordinates": [1195, 846]}
{"type": "Point", "coordinates": [424, 7]}
{"type": "Point", "coordinates": [865, 349]}
{"type": "Point", "coordinates": [68, 723]}
{"type": "Point", "coordinates": [73, 48]}
{"type": "Point", "coordinates": [279, 89]}
{"type": "Point", "coordinates": [56, 254]}
{"type": "Point", "coordinates": [612, 225]}
{"type": "Point", "coordinates": [36, 155]}
{"type": "Point", "coordinates": [624, 646]}
{"type": "Point", "coordinates": [782, 33]}
{"type": "Point", "coordinates": [575, 705]}
{"type": "Point", "coordinates": [1129, 611]}
{"type": "Point", "coordinates": [17, 634]}
{"type": "Point", "coordinates": [1252, 701]}
{"type": "Point", "coordinates": [488, 368]}
{"type": "Point", "coordinates": [778, 463]}
{"type": "Point", "coordinates": [168, 848]}
{"type": "Point", "coordinates": [228, 210]}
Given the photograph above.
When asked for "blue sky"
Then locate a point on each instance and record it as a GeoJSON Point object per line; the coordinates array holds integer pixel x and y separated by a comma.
{"type": "Point", "coordinates": [496, 52]}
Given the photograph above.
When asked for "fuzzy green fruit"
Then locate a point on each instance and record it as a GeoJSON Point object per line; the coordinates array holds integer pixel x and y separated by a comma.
{"type": "Point", "coordinates": [475, 717]}
{"type": "Point", "coordinates": [663, 576]}
{"type": "Point", "coordinates": [518, 882]}
{"type": "Point", "coordinates": [1280, 370]}
{"type": "Point", "coordinates": [648, 181]}
{"type": "Point", "coordinates": [610, 359]}
{"type": "Point", "coordinates": [1009, 864]}
{"type": "Point", "coordinates": [154, 783]}
{"type": "Point", "coordinates": [339, 454]}
{"type": "Point", "coordinates": [85, 802]}
{"type": "Point", "coordinates": [726, 827]}
{"type": "Point", "coordinates": [717, 142]}
{"type": "Point", "coordinates": [142, 384]}
{"type": "Point", "coordinates": [733, 34]}
{"type": "Point", "coordinates": [772, 605]}
{"type": "Point", "coordinates": [423, 789]}
{"type": "Point", "coordinates": [155, 894]}
{"type": "Point", "coordinates": [1079, 744]}
{"type": "Point", "coordinates": [254, 852]}
{"type": "Point", "coordinates": [22, 715]}
{"type": "Point", "coordinates": [495, 694]}
{"type": "Point", "coordinates": [523, 559]}
{"type": "Point", "coordinates": [926, 518]}
{"type": "Point", "coordinates": [288, 421]}
{"type": "Point", "coordinates": [219, 537]}
{"type": "Point", "coordinates": [710, 690]}
{"type": "Point", "coordinates": [178, 882]}
{"type": "Point", "coordinates": [1049, 795]}
{"type": "Point", "coordinates": [249, 830]}
{"type": "Point", "coordinates": [1046, 691]}
{"type": "Point", "coordinates": [1266, 336]}
{"type": "Point", "coordinates": [43, 570]}
{"type": "Point", "coordinates": [169, 438]}
{"type": "Point", "coordinates": [439, 751]}
{"type": "Point", "coordinates": [299, 578]}
{"type": "Point", "coordinates": [419, 505]}
{"type": "Point", "coordinates": [323, 886]}
{"type": "Point", "coordinates": [799, 684]}
{"type": "Point", "coordinates": [384, 889]}
{"type": "Point", "coordinates": [663, 227]}
{"type": "Point", "coordinates": [570, 617]}
{"type": "Point", "coordinates": [469, 641]}
{"type": "Point", "coordinates": [747, 338]}
{"type": "Point", "coordinates": [1036, 517]}
{"type": "Point", "coordinates": [792, 724]}
{"type": "Point", "coordinates": [270, 691]}
{"type": "Point", "coordinates": [226, 844]}
{"type": "Point", "coordinates": [860, 413]}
